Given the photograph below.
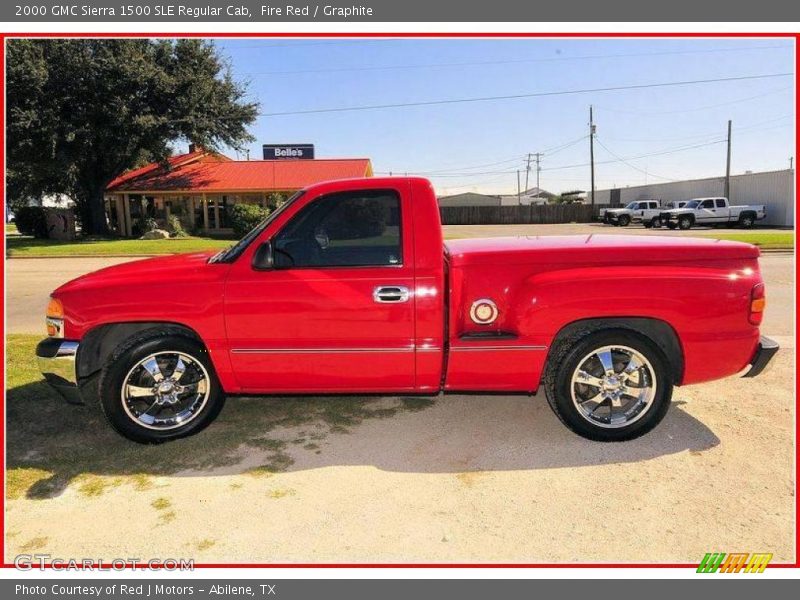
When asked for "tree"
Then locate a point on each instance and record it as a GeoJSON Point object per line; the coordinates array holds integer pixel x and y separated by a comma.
{"type": "Point", "coordinates": [82, 112]}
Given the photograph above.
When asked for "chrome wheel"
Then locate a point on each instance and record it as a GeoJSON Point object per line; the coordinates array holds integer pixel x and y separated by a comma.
{"type": "Point", "coordinates": [613, 386]}
{"type": "Point", "coordinates": [165, 390]}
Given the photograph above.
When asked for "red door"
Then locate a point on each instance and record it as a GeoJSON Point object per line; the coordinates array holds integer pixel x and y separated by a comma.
{"type": "Point", "coordinates": [336, 313]}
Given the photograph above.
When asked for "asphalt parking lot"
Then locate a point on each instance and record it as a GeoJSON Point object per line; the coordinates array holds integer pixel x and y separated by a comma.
{"type": "Point", "coordinates": [451, 479]}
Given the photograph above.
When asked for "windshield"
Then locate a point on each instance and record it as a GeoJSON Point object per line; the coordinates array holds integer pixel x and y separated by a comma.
{"type": "Point", "coordinates": [633, 205]}
{"type": "Point", "coordinates": [233, 252]}
{"type": "Point", "coordinates": [692, 204]}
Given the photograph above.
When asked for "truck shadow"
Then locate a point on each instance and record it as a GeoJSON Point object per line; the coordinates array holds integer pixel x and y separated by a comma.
{"type": "Point", "coordinates": [52, 446]}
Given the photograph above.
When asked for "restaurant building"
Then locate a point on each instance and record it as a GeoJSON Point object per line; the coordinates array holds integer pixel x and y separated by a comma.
{"type": "Point", "coordinates": [199, 188]}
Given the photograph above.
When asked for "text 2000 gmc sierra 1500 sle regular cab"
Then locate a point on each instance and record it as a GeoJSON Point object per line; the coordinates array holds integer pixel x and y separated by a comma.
{"type": "Point", "coordinates": [349, 288]}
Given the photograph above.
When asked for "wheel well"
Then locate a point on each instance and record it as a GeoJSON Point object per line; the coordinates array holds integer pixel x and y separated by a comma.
{"type": "Point", "coordinates": [99, 343]}
{"type": "Point", "coordinates": [747, 213]}
{"type": "Point", "coordinates": [659, 332]}
{"type": "Point", "coordinates": [687, 216]}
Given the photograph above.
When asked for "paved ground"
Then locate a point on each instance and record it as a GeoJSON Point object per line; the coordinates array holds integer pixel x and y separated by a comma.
{"type": "Point", "coordinates": [464, 478]}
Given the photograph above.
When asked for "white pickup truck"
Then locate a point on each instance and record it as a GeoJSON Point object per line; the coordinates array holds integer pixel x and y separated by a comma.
{"type": "Point", "coordinates": [712, 211]}
{"type": "Point", "coordinates": [646, 212]}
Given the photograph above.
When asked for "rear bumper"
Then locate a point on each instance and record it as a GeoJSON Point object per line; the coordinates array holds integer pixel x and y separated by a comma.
{"type": "Point", "coordinates": [763, 355]}
{"type": "Point", "coordinates": [56, 360]}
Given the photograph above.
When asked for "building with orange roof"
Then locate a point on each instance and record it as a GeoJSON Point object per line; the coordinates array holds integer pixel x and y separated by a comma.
{"type": "Point", "coordinates": [199, 187]}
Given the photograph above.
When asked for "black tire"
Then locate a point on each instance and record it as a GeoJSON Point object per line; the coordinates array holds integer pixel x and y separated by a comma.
{"type": "Point", "coordinates": [655, 222]}
{"type": "Point", "coordinates": [566, 359]}
{"type": "Point", "coordinates": [127, 356]}
{"type": "Point", "coordinates": [746, 221]}
{"type": "Point", "coordinates": [685, 223]}
{"type": "Point", "coordinates": [624, 220]}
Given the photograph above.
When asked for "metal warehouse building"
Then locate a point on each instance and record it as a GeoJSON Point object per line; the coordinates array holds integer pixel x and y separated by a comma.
{"type": "Point", "coordinates": [774, 189]}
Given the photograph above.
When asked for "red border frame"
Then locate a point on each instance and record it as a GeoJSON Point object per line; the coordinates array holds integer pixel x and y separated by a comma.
{"type": "Point", "coordinates": [519, 35]}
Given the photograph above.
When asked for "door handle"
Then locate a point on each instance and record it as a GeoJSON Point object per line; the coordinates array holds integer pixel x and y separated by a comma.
{"type": "Point", "coordinates": [391, 293]}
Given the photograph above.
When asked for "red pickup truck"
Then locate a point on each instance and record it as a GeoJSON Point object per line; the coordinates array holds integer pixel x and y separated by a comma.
{"type": "Point", "coordinates": [349, 288]}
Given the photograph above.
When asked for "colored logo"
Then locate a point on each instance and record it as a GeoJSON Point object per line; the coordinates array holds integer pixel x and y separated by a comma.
{"type": "Point", "coordinates": [741, 562]}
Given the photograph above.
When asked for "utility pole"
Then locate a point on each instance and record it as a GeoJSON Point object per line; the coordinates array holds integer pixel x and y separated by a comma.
{"type": "Point", "coordinates": [538, 156]}
{"type": "Point", "coordinates": [527, 169]}
{"type": "Point", "coordinates": [791, 162]}
{"type": "Point", "coordinates": [591, 146]}
{"type": "Point", "coordinates": [728, 167]}
{"type": "Point", "coordinates": [519, 194]}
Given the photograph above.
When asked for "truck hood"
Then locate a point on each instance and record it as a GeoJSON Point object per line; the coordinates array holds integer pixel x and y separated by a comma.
{"type": "Point", "coordinates": [156, 271]}
{"type": "Point", "coordinates": [586, 249]}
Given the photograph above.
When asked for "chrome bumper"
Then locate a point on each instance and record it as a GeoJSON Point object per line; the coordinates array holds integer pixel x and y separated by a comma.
{"type": "Point", "coordinates": [764, 353]}
{"type": "Point", "coordinates": [56, 360]}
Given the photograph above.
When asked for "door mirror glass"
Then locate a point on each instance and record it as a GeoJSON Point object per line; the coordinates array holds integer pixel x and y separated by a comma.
{"type": "Point", "coordinates": [263, 258]}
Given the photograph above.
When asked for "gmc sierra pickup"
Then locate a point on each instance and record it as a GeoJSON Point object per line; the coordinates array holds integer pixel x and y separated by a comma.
{"type": "Point", "coordinates": [349, 288]}
{"type": "Point", "coordinates": [713, 211]}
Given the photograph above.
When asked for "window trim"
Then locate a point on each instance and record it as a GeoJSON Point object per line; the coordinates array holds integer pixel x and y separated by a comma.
{"type": "Point", "coordinates": [394, 192]}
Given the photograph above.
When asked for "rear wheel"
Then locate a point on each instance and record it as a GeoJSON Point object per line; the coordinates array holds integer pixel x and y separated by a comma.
{"type": "Point", "coordinates": [609, 386]}
{"type": "Point", "coordinates": [685, 222]}
{"type": "Point", "coordinates": [160, 387]}
{"type": "Point", "coordinates": [746, 221]}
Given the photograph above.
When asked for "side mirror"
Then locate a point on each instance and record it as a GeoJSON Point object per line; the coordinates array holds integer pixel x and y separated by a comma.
{"type": "Point", "coordinates": [263, 259]}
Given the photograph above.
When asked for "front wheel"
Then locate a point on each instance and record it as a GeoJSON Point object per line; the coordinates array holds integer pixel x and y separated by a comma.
{"type": "Point", "coordinates": [624, 221]}
{"type": "Point", "coordinates": [609, 386]}
{"type": "Point", "coordinates": [685, 223]}
{"type": "Point", "coordinates": [160, 387]}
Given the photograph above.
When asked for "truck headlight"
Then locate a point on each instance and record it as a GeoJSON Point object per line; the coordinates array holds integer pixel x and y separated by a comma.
{"type": "Point", "coordinates": [54, 318]}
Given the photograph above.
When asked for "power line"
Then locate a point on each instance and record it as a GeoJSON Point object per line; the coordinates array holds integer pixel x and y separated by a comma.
{"type": "Point", "coordinates": [632, 166]}
{"type": "Point", "coordinates": [660, 153]}
{"type": "Point", "coordinates": [556, 149]}
{"type": "Point", "coordinates": [504, 61]}
{"type": "Point", "coordinates": [699, 135]}
{"type": "Point", "coordinates": [562, 167]}
{"type": "Point", "coordinates": [695, 109]}
{"type": "Point", "coordinates": [529, 95]}
{"type": "Point", "coordinates": [492, 164]}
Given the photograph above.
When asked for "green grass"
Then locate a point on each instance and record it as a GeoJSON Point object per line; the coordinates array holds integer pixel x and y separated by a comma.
{"type": "Point", "coordinates": [767, 241]}
{"type": "Point", "coordinates": [11, 228]}
{"type": "Point", "coordinates": [52, 445]}
{"type": "Point", "coordinates": [20, 247]}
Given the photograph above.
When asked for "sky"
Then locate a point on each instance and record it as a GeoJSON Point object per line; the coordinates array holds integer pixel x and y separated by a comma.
{"type": "Point", "coordinates": [645, 135]}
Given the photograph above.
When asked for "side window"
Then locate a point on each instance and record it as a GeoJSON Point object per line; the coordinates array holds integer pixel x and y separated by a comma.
{"type": "Point", "coordinates": [707, 204]}
{"type": "Point", "coordinates": [653, 204]}
{"type": "Point", "coordinates": [349, 229]}
{"type": "Point", "coordinates": [720, 203]}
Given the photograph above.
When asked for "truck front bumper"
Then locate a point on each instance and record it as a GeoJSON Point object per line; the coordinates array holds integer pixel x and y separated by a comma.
{"type": "Point", "coordinates": [764, 353]}
{"type": "Point", "coordinates": [56, 360]}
